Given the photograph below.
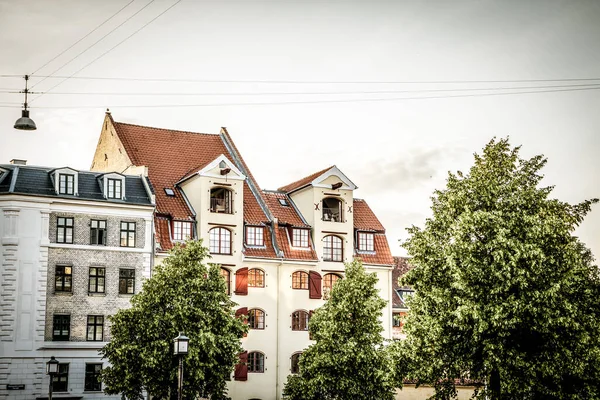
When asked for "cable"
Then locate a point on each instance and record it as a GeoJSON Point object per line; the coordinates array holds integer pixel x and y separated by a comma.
{"type": "Point", "coordinates": [112, 48]}
{"type": "Point", "coordinates": [77, 42]}
{"type": "Point", "coordinates": [303, 82]}
{"type": "Point", "coordinates": [12, 91]}
{"type": "Point", "coordinates": [90, 46]}
{"type": "Point", "coordinates": [322, 101]}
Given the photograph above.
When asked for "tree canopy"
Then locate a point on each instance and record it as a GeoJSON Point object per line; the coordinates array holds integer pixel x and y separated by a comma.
{"type": "Point", "coordinates": [183, 295]}
{"type": "Point", "coordinates": [348, 360]}
{"type": "Point", "coordinates": [506, 295]}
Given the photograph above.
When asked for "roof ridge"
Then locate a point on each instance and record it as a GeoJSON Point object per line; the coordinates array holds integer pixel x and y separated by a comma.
{"type": "Point", "coordinates": [165, 129]}
{"type": "Point", "coordinates": [294, 185]}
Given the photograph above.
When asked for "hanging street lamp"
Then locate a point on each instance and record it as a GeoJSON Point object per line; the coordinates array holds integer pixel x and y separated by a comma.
{"type": "Point", "coordinates": [25, 123]}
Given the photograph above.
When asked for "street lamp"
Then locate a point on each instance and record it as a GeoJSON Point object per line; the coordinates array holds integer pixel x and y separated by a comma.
{"type": "Point", "coordinates": [180, 350]}
{"type": "Point", "coordinates": [25, 123]}
{"type": "Point", "coordinates": [51, 369]}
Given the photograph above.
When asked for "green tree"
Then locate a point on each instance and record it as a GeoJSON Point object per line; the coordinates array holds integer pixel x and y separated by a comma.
{"type": "Point", "coordinates": [505, 294]}
{"type": "Point", "coordinates": [183, 295]}
{"type": "Point", "coordinates": [348, 360]}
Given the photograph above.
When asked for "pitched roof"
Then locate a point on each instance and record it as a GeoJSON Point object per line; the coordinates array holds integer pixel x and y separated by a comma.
{"type": "Point", "coordinates": [33, 180]}
{"type": "Point", "coordinates": [303, 182]}
{"type": "Point", "coordinates": [364, 217]}
{"type": "Point", "coordinates": [381, 255]}
{"type": "Point", "coordinates": [286, 215]}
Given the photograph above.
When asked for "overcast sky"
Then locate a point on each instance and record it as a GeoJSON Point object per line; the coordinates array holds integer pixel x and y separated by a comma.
{"type": "Point", "coordinates": [397, 151]}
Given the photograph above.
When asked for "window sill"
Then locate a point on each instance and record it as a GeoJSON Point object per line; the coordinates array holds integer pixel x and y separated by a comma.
{"type": "Point", "coordinates": [93, 391]}
{"type": "Point", "coordinates": [126, 295]}
{"type": "Point", "coordinates": [367, 252]}
{"type": "Point", "coordinates": [94, 294]}
{"type": "Point", "coordinates": [62, 293]}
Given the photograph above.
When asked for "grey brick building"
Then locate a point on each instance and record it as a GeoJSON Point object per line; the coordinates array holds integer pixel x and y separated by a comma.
{"type": "Point", "coordinates": [74, 248]}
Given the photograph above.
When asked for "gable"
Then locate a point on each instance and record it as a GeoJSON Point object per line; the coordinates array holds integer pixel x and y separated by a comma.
{"type": "Point", "coordinates": [110, 154]}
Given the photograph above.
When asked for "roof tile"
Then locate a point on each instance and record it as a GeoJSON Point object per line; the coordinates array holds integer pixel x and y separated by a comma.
{"type": "Point", "coordinates": [303, 182]}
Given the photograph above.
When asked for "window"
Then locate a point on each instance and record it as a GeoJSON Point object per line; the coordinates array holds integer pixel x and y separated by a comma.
{"type": "Point", "coordinates": [404, 294]}
{"type": "Point", "coordinates": [256, 362]}
{"type": "Point", "coordinates": [114, 188]}
{"type": "Point", "coordinates": [127, 234]}
{"type": "Point", "coordinates": [220, 241]}
{"type": "Point", "coordinates": [96, 280]}
{"type": "Point", "coordinates": [296, 363]}
{"type": "Point", "coordinates": [221, 201]}
{"type": "Point", "coordinates": [332, 209]}
{"type": "Point", "coordinates": [182, 230]}
{"type": "Point", "coordinates": [126, 281]}
{"type": "Point", "coordinates": [61, 328]}
{"type": "Point", "coordinates": [254, 236]}
{"type": "Point", "coordinates": [365, 241]}
{"type": "Point", "coordinates": [300, 237]}
{"type": "Point", "coordinates": [332, 248]}
{"type": "Point", "coordinates": [256, 319]}
{"type": "Point", "coordinates": [60, 383]}
{"type": "Point", "coordinates": [300, 320]}
{"type": "Point", "coordinates": [256, 278]}
{"type": "Point", "coordinates": [329, 280]}
{"type": "Point", "coordinates": [299, 280]}
{"type": "Point", "coordinates": [92, 378]}
{"type": "Point", "coordinates": [63, 278]}
{"type": "Point", "coordinates": [64, 230]}
{"type": "Point", "coordinates": [95, 328]}
{"type": "Point", "coordinates": [227, 276]}
{"type": "Point", "coordinates": [396, 319]}
{"type": "Point", "coordinates": [66, 184]}
{"type": "Point", "coordinates": [98, 232]}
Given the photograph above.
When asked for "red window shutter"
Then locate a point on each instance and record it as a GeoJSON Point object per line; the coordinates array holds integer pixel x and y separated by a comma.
{"type": "Point", "coordinates": [241, 368]}
{"type": "Point", "coordinates": [314, 285]}
{"type": "Point", "coordinates": [241, 282]}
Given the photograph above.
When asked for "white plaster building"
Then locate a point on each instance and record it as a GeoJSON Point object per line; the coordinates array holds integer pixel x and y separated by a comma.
{"type": "Point", "coordinates": [279, 250]}
{"type": "Point", "coordinates": [74, 246]}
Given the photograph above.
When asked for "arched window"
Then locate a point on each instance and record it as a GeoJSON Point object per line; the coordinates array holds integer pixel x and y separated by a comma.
{"type": "Point", "coordinates": [300, 320]}
{"type": "Point", "coordinates": [256, 362]}
{"type": "Point", "coordinates": [332, 209]}
{"type": "Point", "coordinates": [256, 319]}
{"type": "Point", "coordinates": [227, 276]}
{"type": "Point", "coordinates": [328, 281]}
{"type": "Point", "coordinates": [300, 280]}
{"type": "Point", "coordinates": [296, 363]}
{"type": "Point", "coordinates": [221, 200]}
{"type": "Point", "coordinates": [333, 248]}
{"type": "Point", "coordinates": [220, 241]}
{"type": "Point", "coordinates": [256, 278]}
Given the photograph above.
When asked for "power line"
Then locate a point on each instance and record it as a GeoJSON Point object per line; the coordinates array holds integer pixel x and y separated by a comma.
{"type": "Point", "coordinates": [323, 101]}
{"type": "Point", "coordinates": [77, 42]}
{"type": "Point", "coordinates": [92, 45]}
{"type": "Point", "coordinates": [304, 82]}
{"type": "Point", "coordinates": [12, 91]}
{"type": "Point", "coordinates": [112, 48]}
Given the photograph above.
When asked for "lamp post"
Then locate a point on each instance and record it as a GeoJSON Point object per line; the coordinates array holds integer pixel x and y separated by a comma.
{"type": "Point", "coordinates": [180, 350]}
{"type": "Point", "coordinates": [51, 370]}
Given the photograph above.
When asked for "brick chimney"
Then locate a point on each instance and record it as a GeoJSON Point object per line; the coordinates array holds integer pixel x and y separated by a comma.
{"type": "Point", "coordinates": [16, 161]}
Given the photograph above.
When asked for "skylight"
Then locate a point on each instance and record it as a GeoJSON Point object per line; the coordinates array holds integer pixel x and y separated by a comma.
{"type": "Point", "coordinates": [283, 202]}
{"type": "Point", "coordinates": [169, 192]}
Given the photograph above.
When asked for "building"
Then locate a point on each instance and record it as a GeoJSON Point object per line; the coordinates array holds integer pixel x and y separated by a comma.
{"type": "Point", "coordinates": [399, 295]}
{"type": "Point", "coordinates": [75, 246]}
{"type": "Point", "coordinates": [280, 251]}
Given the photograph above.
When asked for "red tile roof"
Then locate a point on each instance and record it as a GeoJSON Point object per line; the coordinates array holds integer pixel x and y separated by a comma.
{"type": "Point", "coordinates": [267, 252]}
{"type": "Point", "coordinates": [284, 214]}
{"type": "Point", "coordinates": [364, 217]}
{"type": "Point", "coordinates": [291, 253]}
{"type": "Point", "coordinates": [303, 182]}
{"type": "Point", "coordinates": [163, 236]}
{"type": "Point", "coordinates": [381, 255]}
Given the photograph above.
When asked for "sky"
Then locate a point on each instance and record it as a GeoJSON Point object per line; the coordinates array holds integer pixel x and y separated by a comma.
{"type": "Point", "coordinates": [413, 59]}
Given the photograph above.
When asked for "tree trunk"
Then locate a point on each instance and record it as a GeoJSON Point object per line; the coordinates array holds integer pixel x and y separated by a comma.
{"type": "Point", "coordinates": [495, 385]}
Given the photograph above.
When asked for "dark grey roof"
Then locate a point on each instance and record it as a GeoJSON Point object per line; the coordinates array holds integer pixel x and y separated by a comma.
{"type": "Point", "coordinates": [32, 180]}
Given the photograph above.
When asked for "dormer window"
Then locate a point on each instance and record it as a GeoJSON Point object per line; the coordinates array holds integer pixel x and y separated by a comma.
{"type": "Point", "coordinates": [332, 209]}
{"type": "Point", "coordinates": [114, 188]}
{"type": "Point", "coordinates": [221, 200]}
{"type": "Point", "coordinates": [365, 241]}
{"type": "Point", "coordinates": [66, 184]}
{"type": "Point", "coordinates": [255, 236]}
{"type": "Point", "coordinates": [182, 230]}
{"type": "Point", "coordinates": [299, 237]}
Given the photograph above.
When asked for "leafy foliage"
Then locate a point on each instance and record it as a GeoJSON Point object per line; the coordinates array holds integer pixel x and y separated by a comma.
{"type": "Point", "coordinates": [183, 295]}
{"type": "Point", "coordinates": [505, 294]}
{"type": "Point", "coordinates": [348, 360]}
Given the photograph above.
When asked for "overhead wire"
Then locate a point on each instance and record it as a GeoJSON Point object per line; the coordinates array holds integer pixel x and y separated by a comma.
{"type": "Point", "coordinates": [13, 91]}
{"type": "Point", "coordinates": [90, 46]}
{"type": "Point", "coordinates": [324, 101]}
{"type": "Point", "coordinates": [84, 37]}
{"type": "Point", "coordinates": [112, 48]}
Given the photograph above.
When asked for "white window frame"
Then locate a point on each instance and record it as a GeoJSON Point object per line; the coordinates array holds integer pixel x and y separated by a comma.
{"type": "Point", "coordinates": [255, 236]}
{"type": "Point", "coordinates": [302, 241]}
{"type": "Point", "coordinates": [182, 230]}
{"type": "Point", "coordinates": [365, 241]}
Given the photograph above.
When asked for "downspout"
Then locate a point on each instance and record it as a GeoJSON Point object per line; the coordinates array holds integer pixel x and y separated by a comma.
{"type": "Point", "coordinates": [277, 387]}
